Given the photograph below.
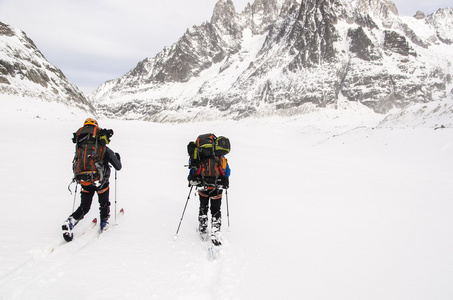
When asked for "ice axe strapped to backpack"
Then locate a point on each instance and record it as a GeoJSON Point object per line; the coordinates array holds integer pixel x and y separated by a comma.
{"type": "Point", "coordinates": [207, 162]}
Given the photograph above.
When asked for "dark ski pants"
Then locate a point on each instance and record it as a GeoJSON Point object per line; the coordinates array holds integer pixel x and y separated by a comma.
{"type": "Point", "coordinates": [215, 197]}
{"type": "Point", "coordinates": [86, 198]}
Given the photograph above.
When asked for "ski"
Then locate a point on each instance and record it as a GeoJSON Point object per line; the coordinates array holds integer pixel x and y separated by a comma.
{"type": "Point", "coordinates": [203, 235]}
{"type": "Point", "coordinates": [68, 232]}
{"type": "Point", "coordinates": [79, 233]}
{"type": "Point", "coordinates": [214, 251]}
{"type": "Point", "coordinates": [214, 247]}
{"type": "Point", "coordinates": [121, 212]}
{"type": "Point", "coordinates": [214, 244]}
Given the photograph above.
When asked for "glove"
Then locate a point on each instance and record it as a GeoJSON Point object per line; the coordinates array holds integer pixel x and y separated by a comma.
{"type": "Point", "coordinates": [226, 183]}
{"type": "Point", "coordinates": [117, 155]}
{"type": "Point", "coordinates": [108, 132]}
{"type": "Point", "coordinates": [194, 180]}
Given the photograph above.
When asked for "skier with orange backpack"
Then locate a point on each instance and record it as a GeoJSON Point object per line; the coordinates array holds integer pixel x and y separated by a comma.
{"type": "Point", "coordinates": [91, 166]}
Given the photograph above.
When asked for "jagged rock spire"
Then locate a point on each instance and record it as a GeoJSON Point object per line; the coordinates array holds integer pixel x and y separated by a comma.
{"type": "Point", "coordinates": [314, 33]}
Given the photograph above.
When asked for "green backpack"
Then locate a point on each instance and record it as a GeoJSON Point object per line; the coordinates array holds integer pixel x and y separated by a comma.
{"type": "Point", "coordinates": [206, 158]}
{"type": "Point", "coordinates": [208, 145]}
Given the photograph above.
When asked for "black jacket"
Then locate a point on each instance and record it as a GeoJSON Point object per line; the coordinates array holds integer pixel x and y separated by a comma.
{"type": "Point", "coordinates": [112, 158]}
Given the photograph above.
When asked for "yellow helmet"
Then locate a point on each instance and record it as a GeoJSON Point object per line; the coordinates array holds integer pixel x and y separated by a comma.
{"type": "Point", "coordinates": [90, 121]}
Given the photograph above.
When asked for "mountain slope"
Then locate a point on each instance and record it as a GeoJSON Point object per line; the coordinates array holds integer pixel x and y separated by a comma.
{"type": "Point", "coordinates": [284, 57]}
{"type": "Point", "coordinates": [25, 72]}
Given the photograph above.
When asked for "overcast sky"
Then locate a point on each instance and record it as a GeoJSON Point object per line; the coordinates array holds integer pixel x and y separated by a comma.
{"type": "Point", "coordinates": [93, 41]}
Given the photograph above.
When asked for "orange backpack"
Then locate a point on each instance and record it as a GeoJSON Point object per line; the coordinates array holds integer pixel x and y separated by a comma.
{"type": "Point", "coordinates": [89, 156]}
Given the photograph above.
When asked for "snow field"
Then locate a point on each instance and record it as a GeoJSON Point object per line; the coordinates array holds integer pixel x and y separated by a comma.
{"type": "Point", "coordinates": [317, 211]}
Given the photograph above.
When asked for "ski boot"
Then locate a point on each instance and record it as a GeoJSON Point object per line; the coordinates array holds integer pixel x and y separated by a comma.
{"type": "Point", "coordinates": [67, 227]}
{"type": "Point", "coordinates": [203, 227]}
{"type": "Point", "coordinates": [215, 231]}
{"type": "Point", "coordinates": [104, 225]}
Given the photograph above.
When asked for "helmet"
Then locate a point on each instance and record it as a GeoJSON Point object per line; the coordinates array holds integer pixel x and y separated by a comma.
{"type": "Point", "coordinates": [90, 121]}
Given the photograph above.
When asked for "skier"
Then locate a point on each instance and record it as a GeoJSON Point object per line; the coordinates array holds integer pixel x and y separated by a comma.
{"type": "Point", "coordinates": [202, 167]}
{"type": "Point", "coordinates": [100, 184]}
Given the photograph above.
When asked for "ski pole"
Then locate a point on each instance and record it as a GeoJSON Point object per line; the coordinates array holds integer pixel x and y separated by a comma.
{"type": "Point", "coordinates": [228, 210]}
{"type": "Point", "coordinates": [185, 206]}
{"type": "Point", "coordinates": [115, 192]}
{"type": "Point", "coordinates": [75, 194]}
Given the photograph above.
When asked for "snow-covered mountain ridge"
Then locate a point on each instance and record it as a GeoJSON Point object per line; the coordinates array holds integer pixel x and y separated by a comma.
{"type": "Point", "coordinates": [287, 57]}
{"type": "Point", "coordinates": [25, 72]}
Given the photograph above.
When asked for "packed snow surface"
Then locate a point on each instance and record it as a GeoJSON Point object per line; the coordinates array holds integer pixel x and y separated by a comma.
{"type": "Point", "coordinates": [319, 208]}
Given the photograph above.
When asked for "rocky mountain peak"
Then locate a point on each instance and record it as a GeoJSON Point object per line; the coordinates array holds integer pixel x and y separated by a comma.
{"type": "Point", "coordinates": [442, 21]}
{"type": "Point", "coordinates": [223, 11]}
{"type": "Point", "coordinates": [225, 17]}
{"type": "Point", "coordinates": [261, 14]}
{"type": "Point", "coordinates": [382, 9]}
{"type": "Point", "coordinates": [419, 15]}
{"type": "Point", "coordinates": [286, 57]}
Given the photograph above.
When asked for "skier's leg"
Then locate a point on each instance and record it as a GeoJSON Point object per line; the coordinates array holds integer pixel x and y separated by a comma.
{"type": "Point", "coordinates": [216, 203]}
{"type": "Point", "coordinates": [86, 198]}
{"type": "Point", "coordinates": [216, 221]}
{"type": "Point", "coordinates": [203, 212]}
{"type": "Point", "coordinates": [104, 205]}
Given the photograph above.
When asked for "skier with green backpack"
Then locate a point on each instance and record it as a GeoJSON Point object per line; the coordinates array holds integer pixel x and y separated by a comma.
{"type": "Point", "coordinates": [210, 172]}
{"type": "Point", "coordinates": [91, 166]}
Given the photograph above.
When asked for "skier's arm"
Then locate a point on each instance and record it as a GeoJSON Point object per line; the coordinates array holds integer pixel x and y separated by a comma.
{"type": "Point", "coordinates": [114, 159]}
{"type": "Point", "coordinates": [228, 170]}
